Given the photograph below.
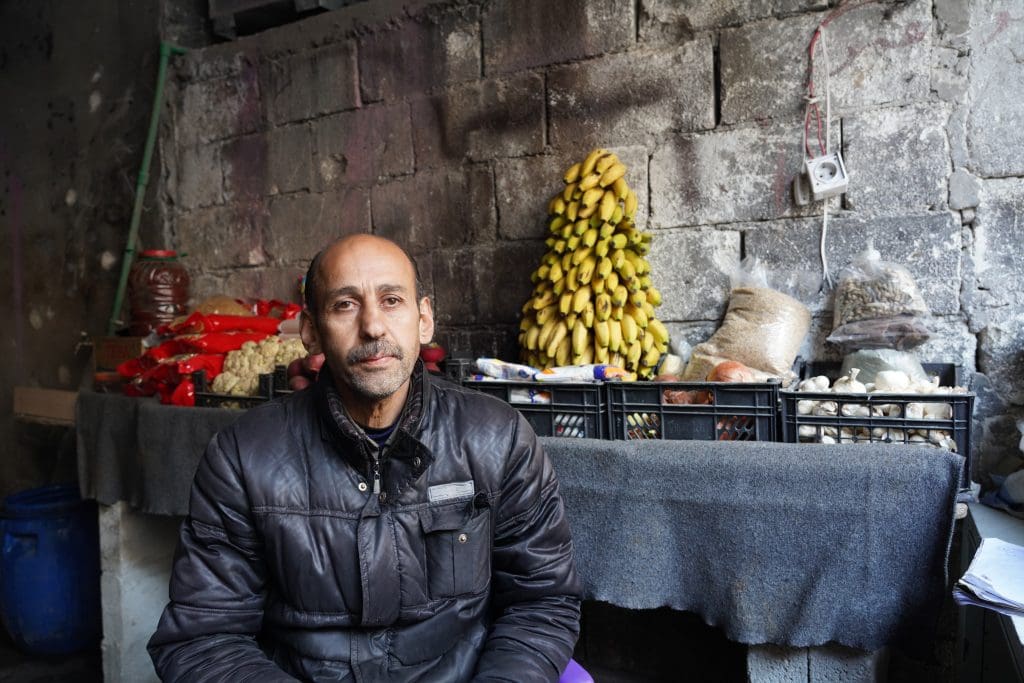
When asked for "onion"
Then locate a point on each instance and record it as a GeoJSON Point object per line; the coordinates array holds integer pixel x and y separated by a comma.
{"type": "Point", "coordinates": [299, 382]}
{"type": "Point", "coordinates": [314, 362]}
{"type": "Point", "coordinates": [731, 371]}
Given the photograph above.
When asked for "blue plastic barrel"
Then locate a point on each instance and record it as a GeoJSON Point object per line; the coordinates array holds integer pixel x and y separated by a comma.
{"type": "Point", "coordinates": [50, 571]}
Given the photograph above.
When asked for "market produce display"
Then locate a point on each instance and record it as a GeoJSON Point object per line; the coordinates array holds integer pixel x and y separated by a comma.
{"type": "Point", "coordinates": [593, 301]}
{"type": "Point", "coordinates": [243, 367]}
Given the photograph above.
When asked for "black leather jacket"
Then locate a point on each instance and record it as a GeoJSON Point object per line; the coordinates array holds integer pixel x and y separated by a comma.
{"type": "Point", "coordinates": [290, 566]}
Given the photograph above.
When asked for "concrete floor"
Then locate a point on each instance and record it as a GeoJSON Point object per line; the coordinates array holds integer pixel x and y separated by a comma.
{"type": "Point", "coordinates": [19, 667]}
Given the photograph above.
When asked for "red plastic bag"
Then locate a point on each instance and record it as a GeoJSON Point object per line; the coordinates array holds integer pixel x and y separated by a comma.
{"type": "Point", "coordinates": [219, 342]}
{"type": "Point", "coordinates": [197, 323]}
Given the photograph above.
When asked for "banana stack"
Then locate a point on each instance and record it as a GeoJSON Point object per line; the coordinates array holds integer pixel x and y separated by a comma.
{"type": "Point", "coordinates": [593, 301]}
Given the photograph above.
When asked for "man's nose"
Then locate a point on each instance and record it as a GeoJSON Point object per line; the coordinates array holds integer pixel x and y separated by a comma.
{"type": "Point", "coordinates": [371, 322]}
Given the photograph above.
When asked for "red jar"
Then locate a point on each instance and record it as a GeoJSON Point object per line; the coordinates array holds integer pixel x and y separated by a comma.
{"type": "Point", "coordinates": [158, 290]}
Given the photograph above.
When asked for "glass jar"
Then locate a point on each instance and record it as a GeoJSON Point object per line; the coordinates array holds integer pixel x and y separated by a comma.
{"type": "Point", "coordinates": [158, 290]}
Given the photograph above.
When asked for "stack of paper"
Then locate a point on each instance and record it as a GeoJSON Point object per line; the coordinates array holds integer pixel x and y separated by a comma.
{"type": "Point", "coordinates": [995, 578]}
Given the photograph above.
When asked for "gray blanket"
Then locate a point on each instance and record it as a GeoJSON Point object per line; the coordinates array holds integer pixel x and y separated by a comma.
{"type": "Point", "coordinates": [788, 544]}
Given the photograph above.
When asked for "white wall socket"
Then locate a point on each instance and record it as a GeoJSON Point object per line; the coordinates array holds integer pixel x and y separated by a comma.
{"type": "Point", "coordinates": [826, 175]}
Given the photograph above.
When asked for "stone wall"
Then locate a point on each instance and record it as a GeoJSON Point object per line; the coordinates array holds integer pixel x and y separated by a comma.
{"type": "Point", "coordinates": [447, 126]}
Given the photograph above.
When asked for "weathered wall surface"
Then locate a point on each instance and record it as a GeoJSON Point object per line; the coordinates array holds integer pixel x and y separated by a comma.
{"type": "Point", "coordinates": [447, 126]}
{"type": "Point", "coordinates": [76, 82]}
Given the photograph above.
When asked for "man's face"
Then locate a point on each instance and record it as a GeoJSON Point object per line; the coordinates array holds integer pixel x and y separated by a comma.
{"type": "Point", "coordinates": [369, 324]}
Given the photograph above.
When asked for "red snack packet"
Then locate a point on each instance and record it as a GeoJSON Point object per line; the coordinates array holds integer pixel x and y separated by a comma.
{"type": "Point", "coordinates": [219, 342]}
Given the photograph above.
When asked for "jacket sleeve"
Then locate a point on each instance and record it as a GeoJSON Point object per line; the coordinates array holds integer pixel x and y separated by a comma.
{"type": "Point", "coordinates": [535, 589]}
{"type": "Point", "coordinates": [217, 591]}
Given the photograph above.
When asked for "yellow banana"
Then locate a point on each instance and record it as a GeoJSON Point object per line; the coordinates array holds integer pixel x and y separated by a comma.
{"type": "Point", "coordinates": [588, 164]}
{"type": "Point", "coordinates": [601, 333]}
{"type": "Point", "coordinates": [614, 335]}
{"type": "Point", "coordinates": [638, 298]}
{"type": "Point", "coordinates": [580, 337]}
{"type": "Point", "coordinates": [608, 203]}
{"type": "Point", "coordinates": [616, 215]}
{"type": "Point", "coordinates": [586, 271]}
{"type": "Point", "coordinates": [542, 271]}
{"type": "Point", "coordinates": [630, 204]}
{"type": "Point", "coordinates": [630, 331]}
{"type": "Point", "coordinates": [587, 211]}
{"type": "Point", "coordinates": [611, 281]}
{"type": "Point", "coordinates": [590, 237]}
{"type": "Point", "coordinates": [581, 226]}
{"type": "Point", "coordinates": [569, 190]}
{"type": "Point", "coordinates": [545, 298]}
{"type": "Point", "coordinates": [633, 355]}
{"type": "Point", "coordinates": [588, 314]}
{"type": "Point", "coordinates": [571, 210]}
{"type": "Point", "coordinates": [555, 272]}
{"type": "Point", "coordinates": [605, 162]}
{"type": "Point", "coordinates": [611, 174]}
{"type": "Point", "coordinates": [651, 357]}
{"type": "Point", "coordinates": [532, 335]}
{"type": "Point", "coordinates": [558, 286]}
{"type": "Point", "coordinates": [589, 182]}
{"type": "Point", "coordinates": [563, 351]}
{"type": "Point", "coordinates": [626, 271]}
{"type": "Point", "coordinates": [657, 329]}
{"type": "Point", "coordinates": [556, 205]}
{"type": "Point", "coordinates": [580, 298]}
{"type": "Point", "coordinates": [602, 306]}
{"type": "Point", "coordinates": [570, 320]}
{"type": "Point", "coordinates": [619, 242]}
{"type": "Point", "coordinates": [559, 246]}
{"type": "Point", "coordinates": [648, 310]}
{"type": "Point", "coordinates": [556, 224]}
{"type": "Point", "coordinates": [545, 333]}
{"type": "Point", "coordinates": [637, 314]}
{"type": "Point", "coordinates": [601, 247]}
{"type": "Point", "coordinates": [647, 342]}
{"type": "Point", "coordinates": [547, 313]}
{"type": "Point", "coordinates": [600, 354]}
{"type": "Point", "coordinates": [571, 242]}
{"type": "Point", "coordinates": [587, 357]}
{"type": "Point", "coordinates": [566, 262]}
{"type": "Point", "coordinates": [555, 338]}
{"type": "Point", "coordinates": [621, 188]}
{"type": "Point", "coordinates": [580, 255]}
{"type": "Point", "coordinates": [597, 284]}
{"type": "Point", "coordinates": [618, 360]}
{"type": "Point", "coordinates": [565, 303]}
{"type": "Point", "coordinates": [604, 268]}
{"type": "Point", "coordinates": [573, 174]}
{"type": "Point", "coordinates": [607, 229]}
{"type": "Point", "coordinates": [619, 295]}
{"type": "Point", "coordinates": [592, 196]}
{"type": "Point", "coordinates": [572, 279]}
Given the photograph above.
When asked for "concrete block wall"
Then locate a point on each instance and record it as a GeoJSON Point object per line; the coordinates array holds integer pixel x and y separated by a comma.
{"type": "Point", "coordinates": [447, 126]}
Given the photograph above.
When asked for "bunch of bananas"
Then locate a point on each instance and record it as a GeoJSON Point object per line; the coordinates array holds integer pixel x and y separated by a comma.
{"type": "Point", "coordinates": [593, 301]}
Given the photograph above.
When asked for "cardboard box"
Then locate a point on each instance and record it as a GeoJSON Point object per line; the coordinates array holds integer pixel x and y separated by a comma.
{"type": "Point", "coordinates": [45, 406]}
{"type": "Point", "coordinates": [109, 352]}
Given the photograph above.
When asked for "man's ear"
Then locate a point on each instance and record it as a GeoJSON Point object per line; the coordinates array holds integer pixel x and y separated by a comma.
{"type": "Point", "coordinates": [426, 320]}
{"type": "Point", "coordinates": [308, 333]}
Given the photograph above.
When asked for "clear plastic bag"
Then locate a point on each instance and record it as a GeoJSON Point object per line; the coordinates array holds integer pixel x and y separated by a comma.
{"type": "Point", "coordinates": [878, 306]}
{"type": "Point", "coordinates": [763, 329]}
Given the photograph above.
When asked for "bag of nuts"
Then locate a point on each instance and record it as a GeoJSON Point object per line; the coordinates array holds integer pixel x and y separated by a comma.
{"type": "Point", "coordinates": [877, 306]}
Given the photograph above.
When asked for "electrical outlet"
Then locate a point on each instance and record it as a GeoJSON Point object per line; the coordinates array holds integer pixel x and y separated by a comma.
{"type": "Point", "coordinates": [826, 175]}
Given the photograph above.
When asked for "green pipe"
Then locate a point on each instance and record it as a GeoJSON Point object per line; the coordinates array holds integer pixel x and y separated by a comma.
{"type": "Point", "coordinates": [166, 50]}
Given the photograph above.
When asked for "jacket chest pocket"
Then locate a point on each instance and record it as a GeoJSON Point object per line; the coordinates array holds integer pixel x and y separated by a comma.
{"type": "Point", "coordinates": [457, 543]}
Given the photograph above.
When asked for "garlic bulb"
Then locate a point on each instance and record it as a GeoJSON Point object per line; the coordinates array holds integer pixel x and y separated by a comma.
{"type": "Point", "coordinates": [938, 411]}
{"type": "Point", "coordinates": [817, 383]}
{"type": "Point", "coordinates": [850, 385]}
{"type": "Point", "coordinates": [894, 381]}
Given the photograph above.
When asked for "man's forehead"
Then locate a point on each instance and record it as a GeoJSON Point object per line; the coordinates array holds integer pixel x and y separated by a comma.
{"type": "Point", "coordinates": [378, 264]}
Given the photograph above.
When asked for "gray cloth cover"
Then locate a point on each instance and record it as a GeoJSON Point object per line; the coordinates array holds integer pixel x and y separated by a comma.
{"type": "Point", "coordinates": [791, 544]}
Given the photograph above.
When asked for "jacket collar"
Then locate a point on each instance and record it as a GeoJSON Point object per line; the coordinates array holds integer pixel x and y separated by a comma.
{"type": "Point", "coordinates": [404, 457]}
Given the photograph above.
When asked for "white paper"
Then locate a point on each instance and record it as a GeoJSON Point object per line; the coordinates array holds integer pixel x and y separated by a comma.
{"type": "Point", "coordinates": [996, 576]}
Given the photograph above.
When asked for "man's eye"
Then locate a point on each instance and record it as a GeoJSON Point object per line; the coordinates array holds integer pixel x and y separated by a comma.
{"type": "Point", "coordinates": [341, 305]}
{"type": "Point", "coordinates": [392, 301]}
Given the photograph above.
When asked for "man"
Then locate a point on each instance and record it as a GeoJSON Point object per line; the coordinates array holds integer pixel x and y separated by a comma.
{"type": "Point", "coordinates": [379, 526]}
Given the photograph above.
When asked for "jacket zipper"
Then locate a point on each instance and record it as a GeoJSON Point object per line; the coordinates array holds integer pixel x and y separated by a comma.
{"type": "Point", "coordinates": [376, 473]}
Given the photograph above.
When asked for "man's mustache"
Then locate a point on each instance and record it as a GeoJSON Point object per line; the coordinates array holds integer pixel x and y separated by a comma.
{"type": "Point", "coordinates": [373, 350]}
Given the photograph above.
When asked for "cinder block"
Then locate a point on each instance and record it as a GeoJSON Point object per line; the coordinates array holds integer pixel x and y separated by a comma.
{"type": "Point", "coordinates": [311, 83]}
{"type": "Point", "coordinates": [994, 283]}
{"type": "Point", "coordinates": [220, 108]}
{"type": "Point", "coordinates": [897, 160]}
{"type": "Point", "coordinates": [481, 120]}
{"type": "Point", "coordinates": [289, 159]}
{"type": "Point", "coordinates": [454, 286]}
{"type": "Point", "coordinates": [725, 176]}
{"type": "Point", "coordinates": [300, 224]}
{"type": "Point", "coordinates": [244, 162]}
{"type": "Point", "coordinates": [493, 342]}
{"type": "Point", "coordinates": [670, 21]}
{"type": "Point", "coordinates": [633, 96]}
{"type": "Point", "coordinates": [520, 34]}
{"type": "Point", "coordinates": [363, 145]}
{"type": "Point", "coordinates": [218, 237]}
{"type": "Point", "coordinates": [200, 180]}
{"type": "Point", "coordinates": [999, 356]}
{"type": "Point", "coordinates": [420, 54]}
{"type": "Point", "coordinates": [700, 289]}
{"type": "Point", "coordinates": [951, 342]}
{"type": "Point", "coordinates": [275, 282]}
{"type": "Point", "coordinates": [995, 123]}
{"type": "Point", "coordinates": [928, 246]}
{"type": "Point", "coordinates": [523, 188]}
{"type": "Point", "coordinates": [433, 209]}
{"type": "Point", "coordinates": [878, 54]}
{"type": "Point", "coordinates": [502, 284]}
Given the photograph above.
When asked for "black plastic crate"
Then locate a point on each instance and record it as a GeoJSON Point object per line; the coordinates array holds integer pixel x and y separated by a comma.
{"type": "Point", "coordinates": [206, 398]}
{"type": "Point", "coordinates": [730, 411]}
{"type": "Point", "coordinates": [458, 369]}
{"type": "Point", "coordinates": [882, 418]}
{"type": "Point", "coordinates": [572, 409]}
